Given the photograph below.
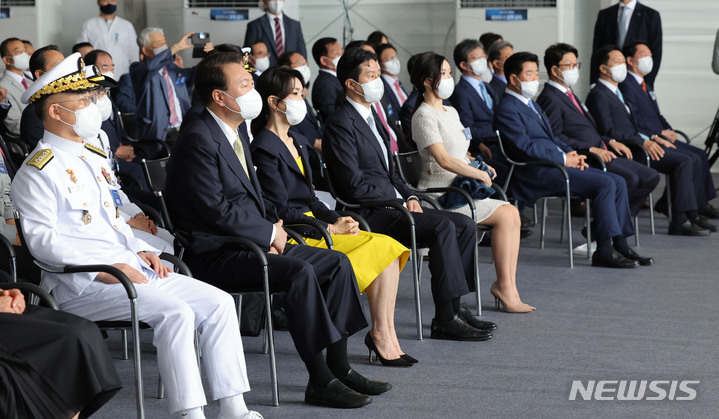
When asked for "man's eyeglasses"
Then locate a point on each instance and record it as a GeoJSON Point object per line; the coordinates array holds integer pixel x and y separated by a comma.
{"type": "Point", "coordinates": [578, 66]}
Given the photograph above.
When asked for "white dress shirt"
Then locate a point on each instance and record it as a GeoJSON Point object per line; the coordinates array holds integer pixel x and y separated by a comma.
{"type": "Point", "coordinates": [117, 37]}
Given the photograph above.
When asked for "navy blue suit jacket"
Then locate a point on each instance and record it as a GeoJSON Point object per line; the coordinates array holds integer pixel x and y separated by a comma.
{"type": "Point", "coordinates": [645, 25]}
{"type": "Point", "coordinates": [529, 137]}
{"type": "Point", "coordinates": [31, 127]}
{"type": "Point", "coordinates": [611, 116]}
{"type": "Point", "coordinates": [327, 92]}
{"type": "Point", "coordinates": [389, 99]}
{"type": "Point", "coordinates": [260, 29]}
{"type": "Point", "coordinates": [284, 184]}
{"type": "Point", "coordinates": [405, 114]}
{"type": "Point", "coordinates": [124, 95]}
{"type": "Point", "coordinates": [152, 116]}
{"type": "Point", "coordinates": [208, 193]}
{"type": "Point", "coordinates": [576, 129]}
{"type": "Point", "coordinates": [499, 87]}
{"type": "Point", "coordinates": [355, 159]}
{"type": "Point", "coordinates": [474, 112]}
{"type": "Point", "coordinates": [644, 105]}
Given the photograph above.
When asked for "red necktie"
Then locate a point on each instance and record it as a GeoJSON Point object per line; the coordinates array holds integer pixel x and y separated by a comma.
{"type": "Point", "coordinates": [574, 100]}
{"type": "Point", "coordinates": [24, 84]}
{"type": "Point", "coordinates": [174, 119]}
{"type": "Point", "coordinates": [644, 87]}
{"type": "Point", "coordinates": [279, 44]}
{"type": "Point", "coordinates": [400, 93]}
{"type": "Point", "coordinates": [392, 139]}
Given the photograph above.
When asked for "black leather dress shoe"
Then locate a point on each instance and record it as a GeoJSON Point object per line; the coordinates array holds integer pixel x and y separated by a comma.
{"type": "Point", "coordinates": [710, 212]}
{"type": "Point", "coordinates": [614, 261]}
{"type": "Point", "coordinates": [703, 223]}
{"type": "Point", "coordinates": [643, 261]}
{"type": "Point", "coordinates": [661, 207]}
{"type": "Point", "coordinates": [335, 394]}
{"type": "Point", "coordinates": [475, 322]}
{"type": "Point", "coordinates": [361, 384]}
{"type": "Point", "coordinates": [686, 229]}
{"type": "Point", "coordinates": [458, 329]}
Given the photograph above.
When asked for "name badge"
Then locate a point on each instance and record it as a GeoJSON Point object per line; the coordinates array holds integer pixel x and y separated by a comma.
{"type": "Point", "coordinates": [468, 133]}
{"type": "Point", "coordinates": [116, 198]}
{"type": "Point", "coordinates": [652, 95]}
{"type": "Point", "coordinates": [390, 111]}
{"type": "Point", "coordinates": [2, 168]}
{"type": "Point", "coordinates": [181, 80]}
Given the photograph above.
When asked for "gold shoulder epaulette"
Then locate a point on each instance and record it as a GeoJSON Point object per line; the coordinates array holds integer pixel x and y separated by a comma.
{"type": "Point", "coordinates": [95, 150]}
{"type": "Point", "coordinates": [41, 158]}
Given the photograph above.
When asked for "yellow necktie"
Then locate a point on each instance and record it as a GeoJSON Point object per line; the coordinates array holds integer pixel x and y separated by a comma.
{"type": "Point", "coordinates": [240, 152]}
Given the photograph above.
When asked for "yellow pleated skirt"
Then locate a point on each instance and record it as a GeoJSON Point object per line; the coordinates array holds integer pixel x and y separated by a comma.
{"type": "Point", "coordinates": [369, 253]}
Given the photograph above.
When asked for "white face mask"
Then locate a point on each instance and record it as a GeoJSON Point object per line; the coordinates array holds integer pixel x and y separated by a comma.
{"type": "Point", "coordinates": [571, 77]}
{"type": "Point", "coordinates": [88, 121]}
{"type": "Point", "coordinates": [373, 90]}
{"type": "Point", "coordinates": [487, 76]}
{"type": "Point", "coordinates": [530, 88]}
{"type": "Point", "coordinates": [479, 67]}
{"type": "Point", "coordinates": [445, 88]}
{"type": "Point", "coordinates": [275, 7]}
{"type": "Point", "coordinates": [335, 61]}
{"type": "Point", "coordinates": [250, 104]}
{"type": "Point", "coordinates": [305, 71]}
{"type": "Point", "coordinates": [21, 61]}
{"type": "Point", "coordinates": [645, 65]}
{"type": "Point", "coordinates": [619, 72]}
{"type": "Point", "coordinates": [159, 50]}
{"type": "Point", "coordinates": [295, 111]}
{"type": "Point", "coordinates": [105, 106]}
{"type": "Point", "coordinates": [392, 66]}
{"type": "Point", "coordinates": [109, 74]}
{"type": "Point", "coordinates": [262, 64]}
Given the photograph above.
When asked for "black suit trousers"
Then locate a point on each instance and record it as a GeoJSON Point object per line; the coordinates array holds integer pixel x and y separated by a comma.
{"type": "Point", "coordinates": [641, 180]}
{"type": "Point", "coordinates": [320, 290]}
{"type": "Point", "coordinates": [685, 178]}
{"type": "Point", "coordinates": [450, 237]}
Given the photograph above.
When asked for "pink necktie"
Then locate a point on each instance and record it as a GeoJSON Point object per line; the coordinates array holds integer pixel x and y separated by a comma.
{"type": "Point", "coordinates": [170, 98]}
{"type": "Point", "coordinates": [24, 84]}
{"type": "Point", "coordinates": [392, 139]}
{"type": "Point", "coordinates": [400, 93]}
{"type": "Point", "coordinates": [574, 100]}
{"type": "Point", "coordinates": [279, 44]}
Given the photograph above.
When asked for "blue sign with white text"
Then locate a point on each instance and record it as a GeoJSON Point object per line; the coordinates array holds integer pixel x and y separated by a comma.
{"type": "Point", "coordinates": [505, 15]}
{"type": "Point", "coordinates": [229, 14]}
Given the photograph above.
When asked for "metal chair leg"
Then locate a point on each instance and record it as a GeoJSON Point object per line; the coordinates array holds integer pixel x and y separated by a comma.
{"type": "Point", "coordinates": [669, 199]}
{"type": "Point", "coordinates": [651, 213]}
{"type": "Point", "coordinates": [138, 365]}
{"type": "Point", "coordinates": [588, 220]}
{"type": "Point", "coordinates": [270, 338]}
{"type": "Point", "coordinates": [636, 231]}
{"type": "Point", "coordinates": [415, 274]}
{"type": "Point", "coordinates": [160, 388]}
{"type": "Point", "coordinates": [476, 273]}
{"type": "Point", "coordinates": [542, 230]}
{"type": "Point", "coordinates": [125, 355]}
{"type": "Point", "coordinates": [564, 225]}
{"type": "Point", "coordinates": [567, 203]}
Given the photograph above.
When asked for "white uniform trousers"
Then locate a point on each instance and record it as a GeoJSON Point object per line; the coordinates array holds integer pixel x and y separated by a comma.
{"type": "Point", "coordinates": [175, 306]}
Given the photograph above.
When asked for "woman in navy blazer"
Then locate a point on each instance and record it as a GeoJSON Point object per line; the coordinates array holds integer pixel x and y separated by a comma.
{"type": "Point", "coordinates": [283, 171]}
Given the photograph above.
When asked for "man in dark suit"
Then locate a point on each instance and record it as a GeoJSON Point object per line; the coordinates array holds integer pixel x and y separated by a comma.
{"type": "Point", "coordinates": [357, 153]}
{"type": "Point", "coordinates": [573, 124]}
{"type": "Point", "coordinates": [628, 21]}
{"type": "Point", "coordinates": [650, 121]}
{"type": "Point", "coordinates": [394, 94]}
{"type": "Point", "coordinates": [124, 95]}
{"type": "Point", "coordinates": [327, 90]}
{"type": "Point", "coordinates": [213, 194]}
{"type": "Point", "coordinates": [528, 136]}
{"type": "Point", "coordinates": [498, 54]}
{"type": "Point", "coordinates": [615, 118]}
{"type": "Point", "coordinates": [279, 32]}
{"type": "Point", "coordinates": [160, 86]}
{"type": "Point", "coordinates": [475, 102]}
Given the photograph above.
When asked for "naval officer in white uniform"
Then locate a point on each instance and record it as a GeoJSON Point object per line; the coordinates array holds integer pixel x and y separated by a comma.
{"type": "Point", "coordinates": [113, 34]}
{"type": "Point", "coordinates": [69, 206]}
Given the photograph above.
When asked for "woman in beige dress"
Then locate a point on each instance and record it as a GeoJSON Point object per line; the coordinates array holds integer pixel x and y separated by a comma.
{"type": "Point", "coordinates": [442, 144]}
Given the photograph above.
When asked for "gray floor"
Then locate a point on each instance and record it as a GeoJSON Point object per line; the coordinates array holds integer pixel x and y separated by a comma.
{"type": "Point", "coordinates": [650, 323]}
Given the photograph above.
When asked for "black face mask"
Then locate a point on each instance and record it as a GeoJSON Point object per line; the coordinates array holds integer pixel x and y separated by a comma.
{"type": "Point", "coordinates": [108, 9]}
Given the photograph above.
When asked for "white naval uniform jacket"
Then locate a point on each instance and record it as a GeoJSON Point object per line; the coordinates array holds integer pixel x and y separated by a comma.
{"type": "Point", "coordinates": [69, 216]}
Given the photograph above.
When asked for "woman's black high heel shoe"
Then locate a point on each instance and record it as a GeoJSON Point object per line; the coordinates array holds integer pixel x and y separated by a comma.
{"type": "Point", "coordinates": [408, 358]}
{"type": "Point", "coordinates": [399, 362]}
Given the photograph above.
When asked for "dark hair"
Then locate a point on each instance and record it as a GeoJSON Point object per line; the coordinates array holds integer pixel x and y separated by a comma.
{"type": "Point", "coordinates": [380, 49]}
{"type": "Point", "coordinates": [38, 60]}
{"type": "Point", "coordinates": [254, 42]}
{"type": "Point", "coordinates": [601, 56]}
{"type": "Point", "coordinates": [319, 48]}
{"type": "Point", "coordinates": [411, 61]}
{"type": "Point", "coordinates": [488, 38]}
{"type": "Point", "coordinates": [4, 49]}
{"type": "Point", "coordinates": [554, 54]}
{"type": "Point", "coordinates": [358, 43]}
{"type": "Point", "coordinates": [25, 41]}
{"type": "Point", "coordinates": [427, 65]}
{"type": "Point", "coordinates": [210, 75]}
{"type": "Point", "coordinates": [515, 63]}
{"type": "Point", "coordinates": [76, 47]}
{"type": "Point", "coordinates": [276, 81]}
{"type": "Point", "coordinates": [285, 59]}
{"type": "Point", "coordinates": [227, 48]}
{"type": "Point", "coordinates": [92, 56]}
{"type": "Point", "coordinates": [495, 51]}
{"type": "Point", "coordinates": [463, 49]}
{"type": "Point", "coordinates": [375, 39]}
{"type": "Point", "coordinates": [631, 48]}
{"type": "Point", "coordinates": [350, 65]}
